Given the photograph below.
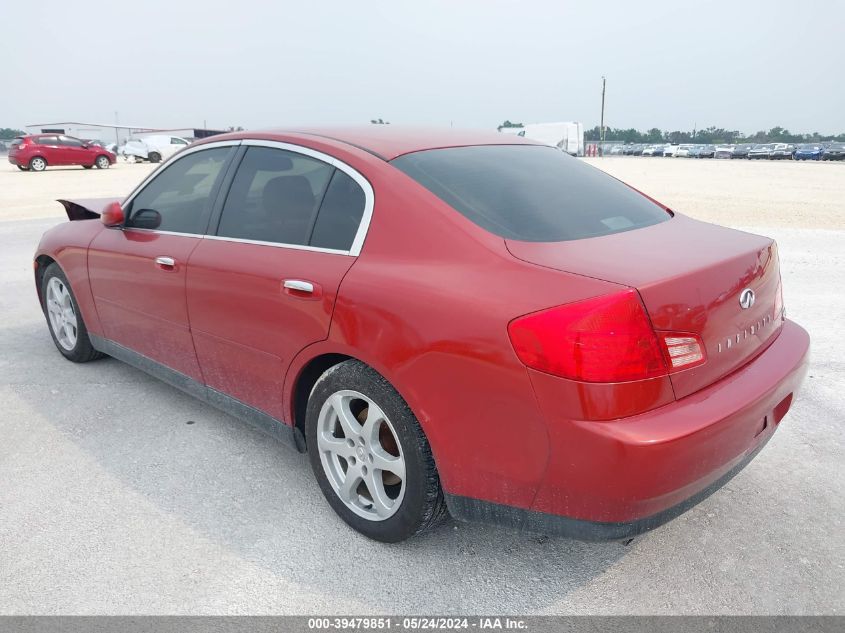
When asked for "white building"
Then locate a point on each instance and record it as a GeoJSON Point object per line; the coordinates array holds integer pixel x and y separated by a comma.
{"type": "Point", "coordinates": [109, 133]}
{"type": "Point", "coordinates": [89, 131]}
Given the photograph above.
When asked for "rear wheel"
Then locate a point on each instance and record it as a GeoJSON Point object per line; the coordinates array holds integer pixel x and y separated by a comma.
{"type": "Point", "coordinates": [64, 319]}
{"type": "Point", "coordinates": [38, 164]}
{"type": "Point", "coordinates": [102, 162]}
{"type": "Point", "coordinates": [370, 456]}
{"type": "Point", "coordinates": [154, 157]}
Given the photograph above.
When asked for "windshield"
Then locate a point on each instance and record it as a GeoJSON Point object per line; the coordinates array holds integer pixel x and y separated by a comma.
{"type": "Point", "coordinates": [530, 193]}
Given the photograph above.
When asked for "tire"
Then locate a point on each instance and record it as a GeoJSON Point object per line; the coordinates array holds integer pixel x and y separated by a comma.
{"type": "Point", "coordinates": [59, 304]}
{"type": "Point", "coordinates": [87, 166]}
{"type": "Point", "coordinates": [102, 162]}
{"type": "Point", "coordinates": [154, 157]}
{"type": "Point", "coordinates": [23, 167]}
{"type": "Point", "coordinates": [408, 498]}
{"type": "Point", "coordinates": [37, 163]}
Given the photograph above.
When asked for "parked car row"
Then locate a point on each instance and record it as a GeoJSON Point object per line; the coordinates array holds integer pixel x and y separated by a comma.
{"type": "Point", "coordinates": [770, 151]}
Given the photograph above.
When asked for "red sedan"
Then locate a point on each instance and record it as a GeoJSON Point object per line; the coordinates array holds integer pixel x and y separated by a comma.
{"type": "Point", "coordinates": [39, 151]}
{"type": "Point", "coordinates": [462, 321]}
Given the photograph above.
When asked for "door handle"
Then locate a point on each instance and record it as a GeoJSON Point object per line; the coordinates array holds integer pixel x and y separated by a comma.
{"type": "Point", "coordinates": [301, 289]}
{"type": "Point", "coordinates": [299, 285]}
{"type": "Point", "coordinates": [166, 263]}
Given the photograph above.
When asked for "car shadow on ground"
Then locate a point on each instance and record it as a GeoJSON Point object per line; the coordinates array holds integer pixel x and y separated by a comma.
{"type": "Point", "coordinates": [259, 499]}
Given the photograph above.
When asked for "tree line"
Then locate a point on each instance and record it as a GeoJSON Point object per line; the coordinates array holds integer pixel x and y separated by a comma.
{"type": "Point", "coordinates": [9, 133]}
{"type": "Point", "coordinates": [710, 135]}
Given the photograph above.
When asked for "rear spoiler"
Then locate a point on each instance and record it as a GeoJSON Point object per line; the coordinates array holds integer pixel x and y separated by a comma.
{"type": "Point", "coordinates": [86, 208]}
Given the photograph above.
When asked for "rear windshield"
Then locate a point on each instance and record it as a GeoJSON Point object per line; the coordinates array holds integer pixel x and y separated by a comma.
{"type": "Point", "coordinates": [530, 193]}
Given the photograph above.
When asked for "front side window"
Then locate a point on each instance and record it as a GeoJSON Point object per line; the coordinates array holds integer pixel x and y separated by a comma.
{"type": "Point", "coordinates": [178, 141]}
{"type": "Point", "coordinates": [274, 197]}
{"type": "Point", "coordinates": [530, 193]}
{"type": "Point", "coordinates": [181, 194]}
{"type": "Point", "coordinates": [68, 141]}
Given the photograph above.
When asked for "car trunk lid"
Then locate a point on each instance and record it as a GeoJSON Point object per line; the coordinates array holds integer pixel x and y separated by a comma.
{"type": "Point", "coordinates": [690, 276]}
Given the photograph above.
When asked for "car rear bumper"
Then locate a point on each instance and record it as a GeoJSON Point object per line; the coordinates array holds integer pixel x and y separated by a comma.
{"type": "Point", "coordinates": [617, 479]}
{"type": "Point", "coordinates": [14, 160]}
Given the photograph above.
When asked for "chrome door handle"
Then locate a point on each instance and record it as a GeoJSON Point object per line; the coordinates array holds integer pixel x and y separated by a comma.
{"type": "Point", "coordinates": [165, 261]}
{"type": "Point", "coordinates": [298, 284]}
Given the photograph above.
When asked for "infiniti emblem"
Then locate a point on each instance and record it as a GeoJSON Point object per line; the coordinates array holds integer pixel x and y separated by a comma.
{"type": "Point", "coordinates": [746, 298]}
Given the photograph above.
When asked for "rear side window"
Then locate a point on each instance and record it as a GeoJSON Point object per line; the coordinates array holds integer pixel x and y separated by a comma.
{"type": "Point", "coordinates": [182, 193]}
{"type": "Point", "coordinates": [340, 214]}
{"type": "Point", "coordinates": [274, 197]}
{"type": "Point", "coordinates": [47, 140]}
{"type": "Point", "coordinates": [530, 193]}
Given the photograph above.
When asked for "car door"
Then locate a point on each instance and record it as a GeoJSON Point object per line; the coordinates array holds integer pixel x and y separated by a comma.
{"type": "Point", "coordinates": [50, 149]}
{"type": "Point", "coordinates": [262, 285]}
{"type": "Point", "coordinates": [137, 271]}
{"type": "Point", "coordinates": [73, 152]}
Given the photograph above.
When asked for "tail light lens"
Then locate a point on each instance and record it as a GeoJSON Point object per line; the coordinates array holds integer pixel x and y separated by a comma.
{"type": "Point", "coordinates": [682, 350]}
{"type": "Point", "coordinates": [605, 339]}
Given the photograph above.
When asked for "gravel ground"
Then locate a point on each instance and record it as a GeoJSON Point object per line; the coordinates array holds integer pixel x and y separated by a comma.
{"type": "Point", "coordinates": [111, 503]}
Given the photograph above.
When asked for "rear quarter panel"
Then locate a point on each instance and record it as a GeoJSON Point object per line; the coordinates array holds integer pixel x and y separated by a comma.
{"type": "Point", "coordinates": [427, 305]}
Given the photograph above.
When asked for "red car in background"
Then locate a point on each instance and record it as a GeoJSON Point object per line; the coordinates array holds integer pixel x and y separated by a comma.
{"type": "Point", "coordinates": [442, 320]}
{"type": "Point", "coordinates": [36, 152]}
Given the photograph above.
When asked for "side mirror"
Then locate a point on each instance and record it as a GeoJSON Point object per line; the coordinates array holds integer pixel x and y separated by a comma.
{"type": "Point", "coordinates": [112, 215]}
{"type": "Point", "coordinates": [85, 146]}
{"type": "Point", "coordinates": [146, 219]}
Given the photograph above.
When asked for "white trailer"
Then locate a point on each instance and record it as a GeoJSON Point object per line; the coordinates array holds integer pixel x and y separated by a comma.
{"type": "Point", "coordinates": [565, 135]}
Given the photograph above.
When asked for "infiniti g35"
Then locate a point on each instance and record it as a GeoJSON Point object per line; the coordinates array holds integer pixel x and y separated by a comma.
{"type": "Point", "coordinates": [443, 321]}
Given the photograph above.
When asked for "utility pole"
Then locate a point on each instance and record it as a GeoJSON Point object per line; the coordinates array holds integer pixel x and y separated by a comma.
{"type": "Point", "coordinates": [601, 128]}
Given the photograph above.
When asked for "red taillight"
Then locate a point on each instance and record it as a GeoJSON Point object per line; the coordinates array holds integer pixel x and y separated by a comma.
{"type": "Point", "coordinates": [606, 339]}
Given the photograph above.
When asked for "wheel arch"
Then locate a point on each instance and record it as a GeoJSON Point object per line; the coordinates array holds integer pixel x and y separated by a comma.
{"type": "Point", "coordinates": [304, 383]}
{"type": "Point", "coordinates": [42, 262]}
{"type": "Point", "coordinates": [309, 371]}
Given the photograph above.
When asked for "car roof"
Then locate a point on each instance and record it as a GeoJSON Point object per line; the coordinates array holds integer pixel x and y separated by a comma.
{"type": "Point", "coordinates": [390, 141]}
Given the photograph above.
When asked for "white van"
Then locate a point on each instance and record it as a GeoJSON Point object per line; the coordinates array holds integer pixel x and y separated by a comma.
{"type": "Point", "coordinates": [154, 148]}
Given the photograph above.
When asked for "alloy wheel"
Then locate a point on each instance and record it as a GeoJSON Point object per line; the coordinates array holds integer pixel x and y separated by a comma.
{"type": "Point", "coordinates": [62, 316]}
{"type": "Point", "coordinates": [361, 455]}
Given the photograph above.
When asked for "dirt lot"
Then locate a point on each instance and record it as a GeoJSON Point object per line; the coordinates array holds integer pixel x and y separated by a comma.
{"type": "Point", "coordinates": [29, 195]}
{"type": "Point", "coordinates": [795, 194]}
{"type": "Point", "coordinates": [122, 495]}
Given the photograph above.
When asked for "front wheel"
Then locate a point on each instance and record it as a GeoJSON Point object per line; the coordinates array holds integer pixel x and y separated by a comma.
{"type": "Point", "coordinates": [23, 167]}
{"type": "Point", "coordinates": [102, 162]}
{"type": "Point", "coordinates": [370, 456]}
{"type": "Point", "coordinates": [63, 317]}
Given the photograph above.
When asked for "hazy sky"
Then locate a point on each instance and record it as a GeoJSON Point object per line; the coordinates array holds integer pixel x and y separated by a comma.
{"type": "Point", "coordinates": [739, 64]}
